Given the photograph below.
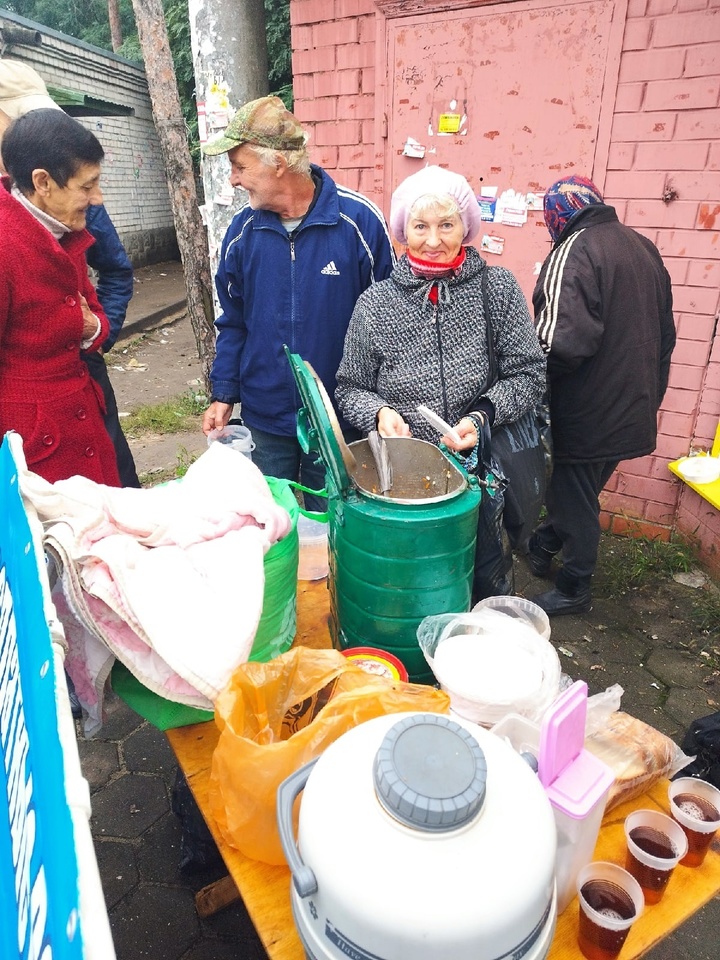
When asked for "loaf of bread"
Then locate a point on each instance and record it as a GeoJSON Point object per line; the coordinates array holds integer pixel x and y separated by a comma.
{"type": "Point", "coordinates": [638, 754]}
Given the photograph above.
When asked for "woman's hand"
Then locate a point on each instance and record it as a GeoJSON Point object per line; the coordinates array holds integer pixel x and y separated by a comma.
{"type": "Point", "coordinates": [391, 424]}
{"type": "Point", "coordinates": [91, 324]}
{"type": "Point", "coordinates": [216, 416]}
{"type": "Point", "coordinates": [468, 436]}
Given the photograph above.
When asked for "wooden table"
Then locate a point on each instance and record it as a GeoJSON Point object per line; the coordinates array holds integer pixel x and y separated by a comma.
{"type": "Point", "coordinates": [265, 889]}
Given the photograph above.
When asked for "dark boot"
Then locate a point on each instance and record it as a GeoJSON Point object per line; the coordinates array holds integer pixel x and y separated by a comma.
{"type": "Point", "coordinates": [569, 595]}
{"type": "Point", "coordinates": [538, 558]}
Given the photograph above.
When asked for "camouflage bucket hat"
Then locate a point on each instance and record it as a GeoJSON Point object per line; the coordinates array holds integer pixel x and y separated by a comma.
{"type": "Point", "coordinates": [265, 122]}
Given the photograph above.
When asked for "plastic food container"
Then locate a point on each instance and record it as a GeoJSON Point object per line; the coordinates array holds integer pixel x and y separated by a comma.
{"type": "Point", "coordinates": [491, 664]}
{"type": "Point", "coordinates": [313, 534]}
{"type": "Point", "coordinates": [576, 782]}
{"type": "Point", "coordinates": [700, 469]}
{"type": "Point", "coordinates": [377, 662]}
{"type": "Point", "coordinates": [520, 608]}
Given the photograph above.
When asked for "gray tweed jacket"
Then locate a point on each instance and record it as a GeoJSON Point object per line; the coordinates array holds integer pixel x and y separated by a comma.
{"type": "Point", "coordinates": [402, 350]}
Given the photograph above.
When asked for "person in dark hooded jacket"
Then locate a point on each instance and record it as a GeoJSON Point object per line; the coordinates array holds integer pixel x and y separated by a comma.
{"type": "Point", "coordinates": [603, 314]}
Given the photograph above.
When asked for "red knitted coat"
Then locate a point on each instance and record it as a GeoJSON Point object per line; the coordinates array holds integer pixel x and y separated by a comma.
{"type": "Point", "coordinates": [46, 394]}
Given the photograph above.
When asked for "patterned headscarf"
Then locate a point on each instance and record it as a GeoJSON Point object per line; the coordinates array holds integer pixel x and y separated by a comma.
{"type": "Point", "coordinates": [565, 198]}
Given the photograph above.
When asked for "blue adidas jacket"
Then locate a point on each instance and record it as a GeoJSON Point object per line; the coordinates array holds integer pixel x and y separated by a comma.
{"type": "Point", "coordinates": [115, 273]}
{"type": "Point", "coordinates": [275, 289]}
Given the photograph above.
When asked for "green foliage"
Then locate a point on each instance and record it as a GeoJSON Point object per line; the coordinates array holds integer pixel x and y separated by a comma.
{"type": "Point", "coordinates": [277, 30]}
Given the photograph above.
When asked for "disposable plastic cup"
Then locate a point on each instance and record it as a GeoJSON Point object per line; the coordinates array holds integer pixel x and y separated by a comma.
{"type": "Point", "coordinates": [695, 805]}
{"type": "Point", "coordinates": [610, 902]}
{"type": "Point", "coordinates": [655, 846]}
{"type": "Point", "coordinates": [235, 436]}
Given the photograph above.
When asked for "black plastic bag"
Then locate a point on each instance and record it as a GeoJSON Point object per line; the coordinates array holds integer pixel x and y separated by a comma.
{"type": "Point", "coordinates": [523, 452]}
{"type": "Point", "coordinates": [702, 741]}
{"type": "Point", "coordinates": [197, 847]}
{"type": "Point", "coordinates": [492, 575]}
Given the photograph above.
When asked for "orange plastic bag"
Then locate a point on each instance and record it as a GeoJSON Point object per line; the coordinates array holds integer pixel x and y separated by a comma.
{"type": "Point", "coordinates": [274, 717]}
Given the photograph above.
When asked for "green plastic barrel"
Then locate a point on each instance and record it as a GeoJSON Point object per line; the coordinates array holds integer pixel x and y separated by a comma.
{"type": "Point", "coordinates": [275, 632]}
{"type": "Point", "coordinates": [394, 562]}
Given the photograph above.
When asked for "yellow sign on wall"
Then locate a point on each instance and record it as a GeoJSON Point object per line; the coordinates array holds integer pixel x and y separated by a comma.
{"type": "Point", "coordinates": [449, 122]}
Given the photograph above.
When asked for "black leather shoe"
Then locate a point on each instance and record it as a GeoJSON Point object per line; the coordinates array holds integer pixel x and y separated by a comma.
{"type": "Point", "coordinates": [555, 603]}
{"type": "Point", "coordinates": [538, 559]}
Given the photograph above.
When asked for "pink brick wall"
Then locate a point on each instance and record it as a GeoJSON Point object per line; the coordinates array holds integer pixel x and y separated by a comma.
{"type": "Point", "coordinates": [664, 143]}
{"type": "Point", "coordinates": [334, 85]}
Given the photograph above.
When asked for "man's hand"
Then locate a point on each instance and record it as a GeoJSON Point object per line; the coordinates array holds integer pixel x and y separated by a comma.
{"type": "Point", "coordinates": [391, 424]}
{"type": "Point", "coordinates": [216, 416]}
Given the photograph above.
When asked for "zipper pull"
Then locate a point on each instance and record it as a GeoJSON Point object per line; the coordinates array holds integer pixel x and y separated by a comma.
{"type": "Point", "coordinates": [292, 250]}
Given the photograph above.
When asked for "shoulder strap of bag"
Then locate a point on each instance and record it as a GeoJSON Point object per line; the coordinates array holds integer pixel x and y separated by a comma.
{"type": "Point", "coordinates": [492, 375]}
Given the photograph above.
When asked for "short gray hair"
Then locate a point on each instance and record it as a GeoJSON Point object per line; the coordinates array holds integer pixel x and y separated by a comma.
{"type": "Point", "coordinates": [298, 161]}
{"type": "Point", "coordinates": [443, 205]}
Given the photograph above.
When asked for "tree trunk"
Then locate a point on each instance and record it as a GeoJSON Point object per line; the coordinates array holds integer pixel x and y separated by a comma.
{"type": "Point", "coordinates": [115, 28]}
{"type": "Point", "coordinates": [170, 124]}
{"type": "Point", "coordinates": [229, 48]}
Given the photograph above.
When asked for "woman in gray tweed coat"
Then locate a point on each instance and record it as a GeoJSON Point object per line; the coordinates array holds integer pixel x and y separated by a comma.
{"type": "Point", "coordinates": [420, 337]}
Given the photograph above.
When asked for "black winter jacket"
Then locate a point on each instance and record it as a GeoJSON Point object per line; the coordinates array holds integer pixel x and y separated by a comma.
{"type": "Point", "coordinates": [603, 313]}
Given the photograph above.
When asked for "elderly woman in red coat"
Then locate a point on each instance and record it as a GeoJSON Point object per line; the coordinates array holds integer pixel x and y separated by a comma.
{"type": "Point", "coordinates": [48, 307]}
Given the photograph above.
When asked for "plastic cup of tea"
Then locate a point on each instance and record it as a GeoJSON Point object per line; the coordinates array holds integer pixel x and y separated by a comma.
{"type": "Point", "coordinates": [655, 846]}
{"type": "Point", "coordinates": [695, 805]}
{"type": "Point", "coordinates": [610, 902]}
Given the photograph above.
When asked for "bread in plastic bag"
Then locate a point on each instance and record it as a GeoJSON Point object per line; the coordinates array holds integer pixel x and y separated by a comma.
{"type": "Point", "coordinates": [276, 716]}
{"type": "Point", "coordinates": [638, 754]}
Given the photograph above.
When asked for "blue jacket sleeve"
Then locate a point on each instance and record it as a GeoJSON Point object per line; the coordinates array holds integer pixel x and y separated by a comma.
{"type": "Point", "coordinates": [115, 273]}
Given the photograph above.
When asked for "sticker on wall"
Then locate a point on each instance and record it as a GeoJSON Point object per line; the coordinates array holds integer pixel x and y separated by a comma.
{"type": "Point", "coordinates": [448, 117]}
{"type": "Point", "coordinates": [226, 196]}
{"type": "Point", "coordinates": [202, 124]}
{"type": "Point", "coordinates": [490, 244]}
{"type": "Point", "coordinates": [217, 105]}
{"type": "Point", "coordinates": [449, 123]}
{"type": "Point", "coordinates": [487, 201]}
{"type": "Point", "coordinates": [413, 148]}
{"type": "Point", "coordinates": [534, 201]}
{"type": "Point", "coordinates": [511, 208]}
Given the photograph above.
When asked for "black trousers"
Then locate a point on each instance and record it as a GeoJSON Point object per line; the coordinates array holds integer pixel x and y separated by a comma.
{"type": "Point", "coordinates": [573, 518]}
{"type": "Point", "coordinates": [126, 465]}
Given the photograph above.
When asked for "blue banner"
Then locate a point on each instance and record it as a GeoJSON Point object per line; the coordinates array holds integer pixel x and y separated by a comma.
{"type": "Point", "coordinates": [39, 908]}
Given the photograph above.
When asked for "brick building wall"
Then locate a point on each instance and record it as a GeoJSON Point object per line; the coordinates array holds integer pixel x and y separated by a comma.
{"type": "Point", "coordinates": [662, 173]}
{"type": "Point", "coordinates": [133, 178]}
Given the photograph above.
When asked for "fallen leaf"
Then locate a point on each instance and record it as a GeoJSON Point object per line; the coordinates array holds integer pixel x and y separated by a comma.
{"type": "Point", "coordinates": [566, 652]}
{"type": "Point", "coordinates": [597, 666]}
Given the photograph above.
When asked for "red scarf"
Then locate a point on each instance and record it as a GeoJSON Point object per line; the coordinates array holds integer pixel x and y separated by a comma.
{"type": "Point", "coordinates": [432, 270]}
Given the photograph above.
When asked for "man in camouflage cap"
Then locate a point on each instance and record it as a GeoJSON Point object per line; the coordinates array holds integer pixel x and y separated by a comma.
{"type": "Point", "coordinates": [293, 262]}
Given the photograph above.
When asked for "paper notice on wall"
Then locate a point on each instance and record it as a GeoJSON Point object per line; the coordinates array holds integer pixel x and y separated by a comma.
{"type": "Point", "coordinates": [511, 208]}
{"type": "Point", "coordinates": [490, 244]}
{"type": "Point", "coordinates": [413, 148]}
{"type": "Point", "coordinates": [534, 201]}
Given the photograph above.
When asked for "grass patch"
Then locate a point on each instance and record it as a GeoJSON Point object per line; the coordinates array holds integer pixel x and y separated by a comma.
{"type": "Point", "coordinates": [626, 562]}
{"type": "Point", "coordinates": [171, 416]}
{"type": "Point", "coordinates": [154, 477]}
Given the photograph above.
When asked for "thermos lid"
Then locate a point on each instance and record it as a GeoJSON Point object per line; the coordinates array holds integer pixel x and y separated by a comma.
{"type": "Point", "coordinates": [318, 427]}
{"type": "Point", "coordinates": [430, 773]}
